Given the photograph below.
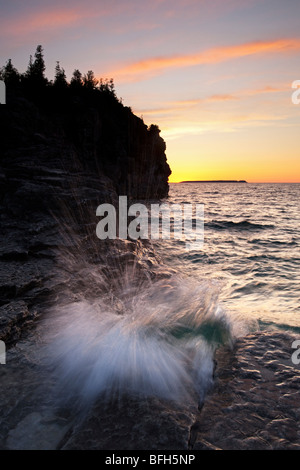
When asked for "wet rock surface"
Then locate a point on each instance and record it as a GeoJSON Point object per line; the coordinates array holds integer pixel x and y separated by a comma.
{"type": "Point", "coordinates": [255, 401]}
{"type": "Point", "coordinates": [133, 424]}
{"type": "Point", "coordinates": [253, 405]}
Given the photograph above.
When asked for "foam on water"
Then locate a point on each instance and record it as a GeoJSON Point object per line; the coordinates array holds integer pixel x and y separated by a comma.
{"type": "Point", "coordinates": [161, 344]}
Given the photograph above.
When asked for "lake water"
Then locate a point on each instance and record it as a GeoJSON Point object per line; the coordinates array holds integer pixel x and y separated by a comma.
{"type": "Point", "coordinates": [157, 336]}
{"type": "Point", "coordinates": [251, 248]}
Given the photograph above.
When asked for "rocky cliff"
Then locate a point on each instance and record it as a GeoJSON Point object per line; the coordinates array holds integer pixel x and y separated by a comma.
{"type": "Point", "coordinates": [53, 142]}
{"type": "Point", "coordinates": [64, 152]}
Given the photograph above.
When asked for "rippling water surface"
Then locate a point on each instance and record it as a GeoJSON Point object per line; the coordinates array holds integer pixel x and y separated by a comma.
{"type": "Point", "coordinates": [116, 333]}
{"type": "Point", "coordinates": [159, 337]}
{"type": "Point", "coordinates": [251, 247]}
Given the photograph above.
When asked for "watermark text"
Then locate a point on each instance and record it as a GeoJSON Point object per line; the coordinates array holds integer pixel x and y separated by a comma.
{"type": "Point", "coordinates": [2, 92]}
{"type": "Point", "coordinates": [164, 221]}
{"type": "Point", "coordinates": [2, 353]}
{"type": "Point", "coordinates": [296, 354]}
{"type": "Point", "coordinates": [296, 94]}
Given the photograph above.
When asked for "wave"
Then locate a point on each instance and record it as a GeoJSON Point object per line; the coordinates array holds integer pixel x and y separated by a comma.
{"type": "Point", "coordinates": [160, 342]}
{"type": "Point", "coordinates": [275, 326]}
{"type": "Point", "coordinates": [242, 225]}
{"type": "Point", "coordinates": [274, 243]}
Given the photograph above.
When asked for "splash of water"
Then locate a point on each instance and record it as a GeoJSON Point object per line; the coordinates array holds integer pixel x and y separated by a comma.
{"type": "Point", "coordinates": [114, 330]}
{"type": "Point", "coordinates": [157, 340]}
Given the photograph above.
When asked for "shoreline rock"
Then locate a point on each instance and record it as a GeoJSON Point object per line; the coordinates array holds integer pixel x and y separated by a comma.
{"type": "Point", "coordinates": [254, 403]}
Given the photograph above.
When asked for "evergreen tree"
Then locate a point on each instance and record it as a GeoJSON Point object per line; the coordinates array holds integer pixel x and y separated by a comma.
{"type": "Point", "coordinates": [9, 74]}
{"type": "Point", "coordinates": [154, 129]}
{"type": "Point", "coordinates": [34, 84]}
{"type": "Point", "coordinates": [60, 80]}
{"type": "Point", "coordinates": [76, 80]}
{"type": "Point", "coordinates": [39, 63]}
{"type": "Point", "coordinates": [29, 71]}
{"type": "Point", "coordinates": [107, 86]}
{"type": "Point", "coordinates": [36, 69]}
{"type": "Point", "coordinates": [111, 86]}
{"type": "Point", "coordinates": [89, 80]}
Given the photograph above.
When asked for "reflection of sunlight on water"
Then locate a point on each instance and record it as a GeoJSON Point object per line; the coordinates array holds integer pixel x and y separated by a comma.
{"type": "Point", "coordinates": [251, 244]}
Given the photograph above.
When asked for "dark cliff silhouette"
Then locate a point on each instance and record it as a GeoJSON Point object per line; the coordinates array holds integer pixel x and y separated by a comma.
{"type": "Point", "coordinates": [54, 129]}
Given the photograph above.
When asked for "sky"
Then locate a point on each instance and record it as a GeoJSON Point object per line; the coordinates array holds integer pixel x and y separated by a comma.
{"type": "Point", "coordinates": [215, 75]}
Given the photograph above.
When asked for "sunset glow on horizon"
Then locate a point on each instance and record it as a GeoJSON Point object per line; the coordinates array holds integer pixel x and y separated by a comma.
{"type": "Point", "coordinates": [215, 76]}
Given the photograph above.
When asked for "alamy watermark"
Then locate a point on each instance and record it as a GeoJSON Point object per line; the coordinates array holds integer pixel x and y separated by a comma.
{"type": "Point", "coordinates": [2, 353]}
{"type": "Point", "coordinates": [164, 221]}
{"type": "Point", "coordinates": [2, 92]}
{"type": "Point", "coordinates": [296, 94]}
{"type": "Point", "coordinates": [296, 355]}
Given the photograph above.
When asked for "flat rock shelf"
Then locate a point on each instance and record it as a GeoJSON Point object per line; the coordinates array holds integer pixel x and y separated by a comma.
{"type": "Point", "coordinates": [254, 404]}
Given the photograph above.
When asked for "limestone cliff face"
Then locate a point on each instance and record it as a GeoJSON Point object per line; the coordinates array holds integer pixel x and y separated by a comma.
{"type": "Point", "coordinates": [49, 143]}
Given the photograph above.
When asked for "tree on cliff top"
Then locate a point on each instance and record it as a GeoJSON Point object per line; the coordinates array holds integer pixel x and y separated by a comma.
{"type": "Point", "coordinates": [154, 129]}
{"type": "Point", "coordinates": [36, 69]}
{"type": "Point", "coordinates": [107, 86]}
{"type": "Point", "coordinates": [60, 80]}
{"type": "Point", "coordinates": [76, 80]}
{"type": "Point", "coordinates": [9, 74]}
{"type": "Point", "coordinates": [35, 85]}
{"type": "Point", "coordinates": [89, 80]}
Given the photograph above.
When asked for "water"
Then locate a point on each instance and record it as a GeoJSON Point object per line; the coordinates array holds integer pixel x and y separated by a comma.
{"type": "Point", "coordinates": [251, 247]}
{"type": "Point", "coordinates": [158, 337]}
{"type": "Point", "coordinates": [113, 329]}
{"type": "Point", "coordinates": [162, 343]}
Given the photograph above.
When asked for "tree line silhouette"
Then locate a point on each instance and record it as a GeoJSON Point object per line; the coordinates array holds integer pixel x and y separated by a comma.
{"type": "Point", "coordinates": [82, 117]}
{"type": "Point", "coordinates": [36, 86]}
{"type": "Point", "coordinates": [59, 93]}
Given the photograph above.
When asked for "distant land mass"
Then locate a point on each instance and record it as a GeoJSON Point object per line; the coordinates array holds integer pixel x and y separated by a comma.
{"type": "Point", "coordinates": [215, 181]}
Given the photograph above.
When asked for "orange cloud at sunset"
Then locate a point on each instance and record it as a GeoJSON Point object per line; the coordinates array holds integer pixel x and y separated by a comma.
{"type": "Point", "coordinates": [50, 19]}
{"type": "Point", "coordinates": [179, 105]}
{"type": "Point", "coordinates": [156, 65]}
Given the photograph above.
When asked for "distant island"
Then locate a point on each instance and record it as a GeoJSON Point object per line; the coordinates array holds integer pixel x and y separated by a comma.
{"type": "Point", "coordinates": [215, 181]}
